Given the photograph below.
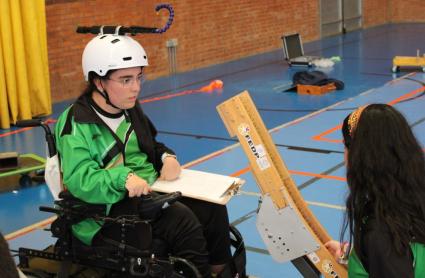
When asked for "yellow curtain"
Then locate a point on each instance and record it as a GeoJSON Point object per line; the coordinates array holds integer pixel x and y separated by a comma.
{"type": "Point", "coordinates": [24, 71]}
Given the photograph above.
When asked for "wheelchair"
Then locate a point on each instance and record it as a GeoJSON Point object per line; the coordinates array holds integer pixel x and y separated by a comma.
{"type": "Point", "coordinates": [69, 257]}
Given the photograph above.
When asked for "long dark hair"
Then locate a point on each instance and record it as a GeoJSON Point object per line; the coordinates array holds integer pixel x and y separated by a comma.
{"type": "Point", "coordinates": [7, 265]}
{"type": "Point", "coordinates": [385, 175]}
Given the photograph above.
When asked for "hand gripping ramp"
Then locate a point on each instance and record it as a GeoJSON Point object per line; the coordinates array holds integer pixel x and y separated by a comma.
{"type": "Point", "coordinates": [284, 221]}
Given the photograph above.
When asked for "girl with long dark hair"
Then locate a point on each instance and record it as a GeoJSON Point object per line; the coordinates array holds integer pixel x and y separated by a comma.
{"type": "Point", "coordinates": [385, 216]}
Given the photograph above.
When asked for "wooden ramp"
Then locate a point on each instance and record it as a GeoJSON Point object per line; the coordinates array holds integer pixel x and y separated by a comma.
{"type": "Point", "coordinates": [286, 224]}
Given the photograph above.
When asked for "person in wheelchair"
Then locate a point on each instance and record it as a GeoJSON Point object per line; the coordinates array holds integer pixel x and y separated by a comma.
{"type": "Point", "coordinates": [109, 155]}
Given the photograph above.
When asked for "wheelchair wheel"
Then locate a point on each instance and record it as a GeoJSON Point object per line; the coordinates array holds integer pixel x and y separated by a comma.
{"type": "Point", "coordinates": [172, 267]}
{"type": "Point", "coordinates": [25, 180]}
{"type": "Point", "coordinates": [184, 268]}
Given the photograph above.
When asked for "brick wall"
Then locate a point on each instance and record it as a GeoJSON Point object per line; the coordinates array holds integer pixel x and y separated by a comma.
{"type": "Point", "coordinates": [408, 11]}
{"type": "Point", "coordinates": [376, 12]}
{"type": "Point", "coordinates": [208, 32]}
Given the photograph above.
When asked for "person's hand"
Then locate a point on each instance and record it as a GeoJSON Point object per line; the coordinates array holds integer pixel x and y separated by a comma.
{"type": "Point", "coordinates": [136, 186]}
{"type": "Point", "coordinates": [336, 249]}
{"type": "Point", "coordinates": [171, 169]}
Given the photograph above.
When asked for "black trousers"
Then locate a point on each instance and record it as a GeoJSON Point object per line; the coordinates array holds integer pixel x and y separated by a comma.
{"type": "Point", "coordinates": [192, 229]}
{"type": "Point", "coordinates": [215, 223]}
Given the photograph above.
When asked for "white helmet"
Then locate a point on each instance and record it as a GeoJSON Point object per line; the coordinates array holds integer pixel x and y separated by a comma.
{"type": "Point", "coordinates": [107, 52]}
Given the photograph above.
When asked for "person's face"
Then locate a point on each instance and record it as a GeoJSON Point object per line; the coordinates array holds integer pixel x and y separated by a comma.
{"type": "Point", "coordinates": [123, 87]}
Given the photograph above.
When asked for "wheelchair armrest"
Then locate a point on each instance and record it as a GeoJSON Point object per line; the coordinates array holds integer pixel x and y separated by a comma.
{"type": "Point", "coordinates": [67, 198]}
{"type": "Point", "coordinates": [78, 208]}
{"type": "Point", "coordinates": [150, 206]}
{"type": "Point", "coordinates": [66, 195]}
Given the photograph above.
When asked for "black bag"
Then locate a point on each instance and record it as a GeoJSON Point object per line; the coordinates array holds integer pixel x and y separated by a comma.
{"type": "Point", "coordinates": [317, 78]}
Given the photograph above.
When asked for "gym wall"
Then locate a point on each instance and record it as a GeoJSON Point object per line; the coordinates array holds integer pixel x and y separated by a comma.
{"type": "Point", "coordinates": [208, 32]}
{"type": "Point", "coordinates": [408, 11]}
{"type": "Point", "coordinates": [375, 12]}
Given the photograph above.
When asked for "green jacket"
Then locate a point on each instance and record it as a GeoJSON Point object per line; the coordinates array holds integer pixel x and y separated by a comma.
{"type": "Point", "coordinates": [95, 162]}
{"type": "Point", "coordinates": [356, 269]}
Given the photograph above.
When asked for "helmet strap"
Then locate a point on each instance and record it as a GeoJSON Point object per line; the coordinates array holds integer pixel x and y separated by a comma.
{"type": "Point", "coordinates": [105, 95]}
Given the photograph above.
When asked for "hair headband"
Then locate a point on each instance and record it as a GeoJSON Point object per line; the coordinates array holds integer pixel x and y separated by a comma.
{"type": "Point", "coordinates": [354, 118]}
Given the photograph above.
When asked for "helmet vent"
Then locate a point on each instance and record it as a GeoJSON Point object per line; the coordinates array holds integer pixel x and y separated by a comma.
{"type": "Point", "coordinates": [115, 41]}
{"type": "Point", "coordinates": [127, 58]}
{"type": "Point", "coordinates": [102, 37]}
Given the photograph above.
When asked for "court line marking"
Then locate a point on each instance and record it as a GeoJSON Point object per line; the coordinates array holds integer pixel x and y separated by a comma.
{"type": "Point", "coordinates": [321, 136]}
{"type": "Point", "coordinates": [30, 228]}
{"type": "Point", "coordinates": [294, 172]}
{"type": "Point", "coordinates": [313, 203]}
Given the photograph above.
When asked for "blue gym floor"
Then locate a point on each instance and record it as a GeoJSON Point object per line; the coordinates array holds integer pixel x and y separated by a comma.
{"type": "Point", "coordinates": [305, 129]}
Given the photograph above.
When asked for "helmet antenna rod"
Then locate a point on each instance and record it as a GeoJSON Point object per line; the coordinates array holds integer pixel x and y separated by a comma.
{"type": "Point", "coordinates": [117, 30]}
{"type": "Point", "coordinates": [132, 30]}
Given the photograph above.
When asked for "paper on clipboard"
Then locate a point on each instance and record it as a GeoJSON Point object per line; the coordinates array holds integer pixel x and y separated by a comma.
{"type": "Point", "coordinates": [202, 185]}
